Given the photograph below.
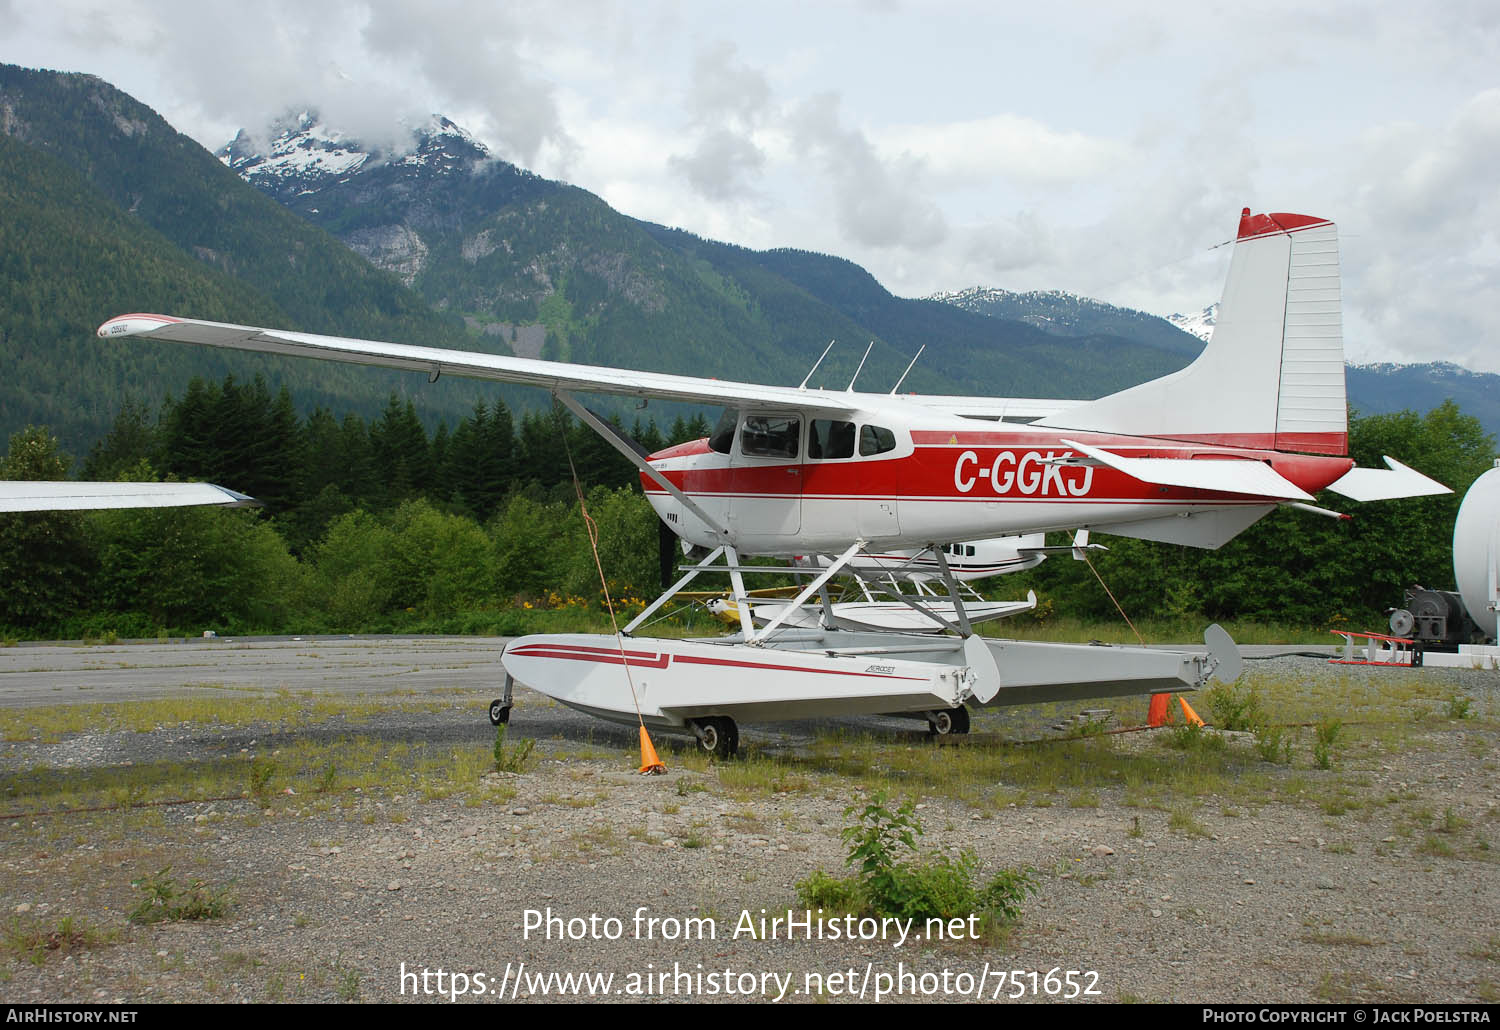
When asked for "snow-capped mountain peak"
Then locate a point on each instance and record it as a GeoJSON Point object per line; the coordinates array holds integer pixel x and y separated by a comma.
{"type": "Point", "coordinates": [301, 149]}
{"type": "Point", "coordinates": [1051, 310]}
{"type": "Point", "coordinates": [1200, 325]}
{"type": "Point", "coordinates": [304, 155]}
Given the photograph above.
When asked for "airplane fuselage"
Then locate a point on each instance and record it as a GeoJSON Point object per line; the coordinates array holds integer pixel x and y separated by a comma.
{"type": "Point", "coordinates": [784, 484]}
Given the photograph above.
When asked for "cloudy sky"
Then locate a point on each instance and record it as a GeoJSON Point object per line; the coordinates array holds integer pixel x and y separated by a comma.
{"type": "Point", "coordinates": [1103, 149]}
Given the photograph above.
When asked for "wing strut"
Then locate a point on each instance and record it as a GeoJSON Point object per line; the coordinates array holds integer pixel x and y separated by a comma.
{"type": "Point", "coordinates": [613, 439]}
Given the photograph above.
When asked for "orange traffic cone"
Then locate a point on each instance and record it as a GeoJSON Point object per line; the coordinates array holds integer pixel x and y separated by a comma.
{"type": "Point", "coordinates": [1158, 714]}
{"type": "Point", "coordinates": [1188, 713]}
{"type": "Point", "coordinates": [650, 764]}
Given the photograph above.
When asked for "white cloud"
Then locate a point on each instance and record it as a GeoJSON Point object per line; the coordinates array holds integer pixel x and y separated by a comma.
{"type": "Point", "coordinates": [726, 99]}
{"type": "Point", "coordinates": [1429, 209]}
{"type": "Point", "coordinates": [721, 164]}
{"type": "Point", "coordinates": [726, 89]}
{"type": "Point", "coordinates": [466, 50]}
{"type": "Point", "coordinates": [877, 202]}
{"type": "Point", "coordinates": [979, 150]}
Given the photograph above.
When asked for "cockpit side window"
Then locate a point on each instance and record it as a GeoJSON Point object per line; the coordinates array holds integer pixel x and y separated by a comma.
{"type": "Point", "coordinates": [722, 438]}
{"type": "Point", "coordinates": [829, 438]}
{"type": "Point", "coordinates": [771, 436]}
{"type": "Point", "coordinates": [876, 440]}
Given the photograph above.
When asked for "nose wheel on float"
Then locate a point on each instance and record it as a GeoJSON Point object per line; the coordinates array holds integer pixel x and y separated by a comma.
{"type": "Point", "coordinates": [500, 707]}
{"type": "Point", "coordinates": [718, 735]}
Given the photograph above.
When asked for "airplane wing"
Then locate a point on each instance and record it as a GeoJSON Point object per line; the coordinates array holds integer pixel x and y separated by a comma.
{"type": "Point", "coordinates": [549, 375]}
{"type": "Point", "coordinates": [559, 375]}
{"type": "Point", "coordinates": [18, 495]}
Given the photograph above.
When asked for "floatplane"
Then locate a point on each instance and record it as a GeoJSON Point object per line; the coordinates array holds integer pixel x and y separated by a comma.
{"type": "Point", "coordinates": [1257, 421]}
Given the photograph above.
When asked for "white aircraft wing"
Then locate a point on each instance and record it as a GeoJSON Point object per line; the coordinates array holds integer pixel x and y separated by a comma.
{"type": "Point", "coordinates": [549, 375]}
{"type": "Point", "coordinates": [559, 375]}
{"type": "Point", "coordinates": [62, 495]}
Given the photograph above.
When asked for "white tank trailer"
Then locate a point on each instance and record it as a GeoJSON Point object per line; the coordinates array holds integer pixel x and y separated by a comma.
{"type": "Point", "coordinates": [1476, 550]}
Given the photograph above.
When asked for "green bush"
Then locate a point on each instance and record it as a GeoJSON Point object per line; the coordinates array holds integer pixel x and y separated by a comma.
{"type": "Point", "coordinates": [831, 893]}
{"type": "Point", "coordinates": [1274, 744]}
{"type": "Point", "coordinates": [1235, 707]}
{"type": "Point", "coordinates": [1194, 738]}
{"type": "Point", "coordinates": [894, 879]}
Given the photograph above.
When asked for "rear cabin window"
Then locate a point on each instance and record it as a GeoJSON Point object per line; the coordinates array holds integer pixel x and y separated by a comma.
{"type": "Point", "coordinates": [827, 438]}
{"type": "Point", "coordinates": [770, 436]}
{"type": "Point", "coordinates": [876, 440]}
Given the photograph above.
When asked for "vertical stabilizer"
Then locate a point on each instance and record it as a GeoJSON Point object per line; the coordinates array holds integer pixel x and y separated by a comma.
{"type": "Point", "coordinates": [1272, 374]}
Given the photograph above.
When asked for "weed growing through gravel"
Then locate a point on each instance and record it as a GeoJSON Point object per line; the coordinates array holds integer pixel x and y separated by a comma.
{"type": "Point", "coordinates": [892, 878]}
{"type": "Point", "coordinates": [262, 772]}
{"type": "Point", "coordinates": [164, 901]}
{"type": "Point", "coordinates": [514, 759]}
{"type": "Point", "coordinates": [346, 980]}
{"type": "Point", "coordinates": [1274, 744]}
{"type": "Point", "coordinates": [1459, 706]}
{"type": "Point", "coordinates": [1329, 731]}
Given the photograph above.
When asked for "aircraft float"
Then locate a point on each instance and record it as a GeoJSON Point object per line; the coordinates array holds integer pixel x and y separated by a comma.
{"type": "Point", "coordinates": [1257, 421]}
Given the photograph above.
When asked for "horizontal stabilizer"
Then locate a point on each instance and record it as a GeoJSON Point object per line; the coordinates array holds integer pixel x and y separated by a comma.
{"type": "Point", "coordinates": [1233, 476]}
{"type": "Point", "coordinates": [1207, 529]}
{"type": "Point", "coordinates": [1387, 484]}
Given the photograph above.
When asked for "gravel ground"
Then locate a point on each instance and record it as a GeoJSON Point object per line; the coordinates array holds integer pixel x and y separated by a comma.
{"type": "Point", "coordinates": [1372, 881]}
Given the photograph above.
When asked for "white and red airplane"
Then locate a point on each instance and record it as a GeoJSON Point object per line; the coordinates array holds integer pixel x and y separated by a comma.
{"type": "Point", "coordinates": [1258, 420]}
{"type": "Point", "coordinates": [1195, 457]}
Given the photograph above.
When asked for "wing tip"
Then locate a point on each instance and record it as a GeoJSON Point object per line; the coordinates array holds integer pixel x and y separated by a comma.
{"type": "Point", "coordinates": [134, 324]}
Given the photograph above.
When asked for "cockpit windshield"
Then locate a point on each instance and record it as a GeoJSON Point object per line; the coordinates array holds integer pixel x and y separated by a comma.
{"type": "Point", "coordinates": [722, 438]}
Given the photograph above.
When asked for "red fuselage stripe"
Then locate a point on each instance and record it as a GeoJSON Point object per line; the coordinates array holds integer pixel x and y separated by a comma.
{"type": "Point", "coordinates": [604, 656]}
{"type": "Point", "coordinates": [989, 466]}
